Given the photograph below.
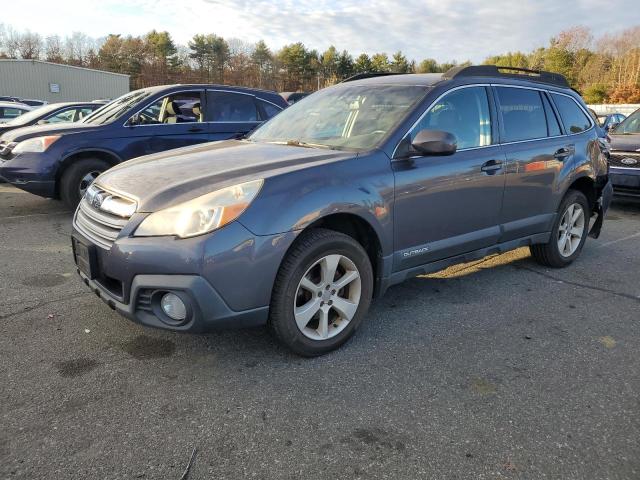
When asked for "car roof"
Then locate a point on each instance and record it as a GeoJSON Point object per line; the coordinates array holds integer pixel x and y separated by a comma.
{"type": "Point", "coordinates": [421, 79]}
{"type": "Point", "coordinates": [16, 105]}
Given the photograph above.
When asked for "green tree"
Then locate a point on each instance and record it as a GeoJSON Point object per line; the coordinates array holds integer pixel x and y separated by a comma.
{"type": "Point", "coordinates": [362, 64]}
{"type": "Point", "coordinates": [380, 62]}
{"type": "Point", "coordinates": [399, 63]}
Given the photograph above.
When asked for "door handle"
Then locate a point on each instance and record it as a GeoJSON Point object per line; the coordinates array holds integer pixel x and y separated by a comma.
{"type": "Point", "coordinates": [564, 152]}
{"type": "Point", "coordinates": [491, 167]}
{"type": "Point", "coordinates": [195, 129]}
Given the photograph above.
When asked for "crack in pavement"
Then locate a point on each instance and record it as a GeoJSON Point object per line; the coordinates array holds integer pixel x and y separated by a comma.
{"type": "Point", "coordinates": [578, 284]}
{"type": "Point", "coordinates": [41, 304]}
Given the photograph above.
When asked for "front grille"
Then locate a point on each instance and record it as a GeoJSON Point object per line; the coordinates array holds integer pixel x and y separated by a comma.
{"type": "Point", "coordinates": [625, 159]}
{"type": "Point", "coordinates": [97, 224]}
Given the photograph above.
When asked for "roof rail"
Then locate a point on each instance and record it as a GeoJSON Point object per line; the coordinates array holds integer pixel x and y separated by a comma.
{"type": "Point", "coordinates": [360, 76]}
{"type": "Point", "coordinates": [509, 72]}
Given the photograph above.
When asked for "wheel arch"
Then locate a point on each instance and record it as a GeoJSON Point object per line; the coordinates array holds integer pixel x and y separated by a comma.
{"type": "Point", "coordinates": [106, 155]}
{"type": "Point", "coordinates": [358, 228]}
{"type": "Point", "coordinates": [587, 186]}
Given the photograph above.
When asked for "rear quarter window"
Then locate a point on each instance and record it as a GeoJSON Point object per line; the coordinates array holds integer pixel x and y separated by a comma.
{"type": "Point", "coordinates": [573, 118]}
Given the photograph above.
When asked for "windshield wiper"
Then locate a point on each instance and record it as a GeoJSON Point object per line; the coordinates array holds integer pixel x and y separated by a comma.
{"type": "Point", "coordinates": [300, 143]}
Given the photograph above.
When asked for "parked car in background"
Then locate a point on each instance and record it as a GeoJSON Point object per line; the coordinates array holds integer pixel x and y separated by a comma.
{"type": "Point", "coordinates": [34, 103]}
{"type": "Point", "coordinates": [356, 188]}
{"type": "Point", "coordinates": [61, 160]}
{"type": "Point", "coordinates": [610, 120]}
{"type": "Point", "coordinates": [293, 97]}
{"type": "Point", "coordinates": [11, 110]}
{"type": "Point", "coordinates": [52, 113]}
{"type": "Point", "coordinates": [9, 99]}
{"type": "Point", "coordinates": [624, 161]}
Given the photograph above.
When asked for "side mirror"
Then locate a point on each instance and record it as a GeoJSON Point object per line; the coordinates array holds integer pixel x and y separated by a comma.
{"type": "Point", "coordinates": [41, 122]}
{"type": "Point", "coordinates": [134, 120]}
{"type": "Point", "coordinates": [435, 142]}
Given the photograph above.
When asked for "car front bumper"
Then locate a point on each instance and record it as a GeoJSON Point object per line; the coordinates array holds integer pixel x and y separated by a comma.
{"type": "Point", "coordinates": [225, 278]}
{"type": "Point", "coordinates": [31, 172]}
{"type": "Point", "coordinates": [625, 180]}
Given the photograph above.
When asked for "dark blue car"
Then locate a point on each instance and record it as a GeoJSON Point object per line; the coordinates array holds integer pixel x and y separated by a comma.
{"type": "Point", "coordinates": [61, 161]}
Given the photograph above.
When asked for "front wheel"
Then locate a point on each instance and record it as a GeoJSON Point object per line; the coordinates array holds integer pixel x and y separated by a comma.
{"type": "Point", "coordinates": [568, 234]}
{"type": "Point", "coordinates": [322, 292]}
{"type": "Point", "coordinates": [77, 178]}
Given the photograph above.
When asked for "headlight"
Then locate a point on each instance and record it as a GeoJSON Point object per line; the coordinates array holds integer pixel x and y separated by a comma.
{"type": "Point", "coordinates": [36, 144]}
{"type": "Point", "coordinates": [202, 214]}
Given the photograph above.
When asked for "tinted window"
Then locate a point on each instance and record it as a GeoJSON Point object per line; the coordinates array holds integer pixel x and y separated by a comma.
{"type": "Point", "coordinates": [553, 127]}
{"type": "Point", "coordinates": [523, 116]}
{"type": "Point", "coordinates": [573, 118]}
{"type": "Point", "coordinates": [465, 113]}
{"type": "Point", "coordinates": [232, 107]}
{"type": "Point", "coordinates": [9, 112]}
{"type": "Point", "coordinates": [183, 107]}
{"type": "Point", "coordinates": [269, 109]}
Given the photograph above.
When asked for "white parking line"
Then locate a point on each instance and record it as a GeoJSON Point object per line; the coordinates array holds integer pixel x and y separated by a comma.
{"type": "Point", "coordinates": [612, 242]}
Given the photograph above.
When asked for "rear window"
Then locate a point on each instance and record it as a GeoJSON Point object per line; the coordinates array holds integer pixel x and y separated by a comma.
{"type": "Point", "coordinates": [523, 115]}
{"type": "Point", "coordinates": [573, 118]}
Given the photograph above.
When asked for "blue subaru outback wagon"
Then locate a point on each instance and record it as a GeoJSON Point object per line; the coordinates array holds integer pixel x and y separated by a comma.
{"type": "Point", "coordinates": [353, 189]}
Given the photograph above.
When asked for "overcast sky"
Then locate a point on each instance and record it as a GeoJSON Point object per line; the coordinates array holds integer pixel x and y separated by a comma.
{"type": "Point", "coordinates": [440, 29]}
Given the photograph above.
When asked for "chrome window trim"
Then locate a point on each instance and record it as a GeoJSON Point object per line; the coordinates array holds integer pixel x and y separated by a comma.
{"type": "Point", "coordinates": [540, 89]}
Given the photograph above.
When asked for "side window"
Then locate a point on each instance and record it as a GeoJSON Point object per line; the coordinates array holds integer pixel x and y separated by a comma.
{"type": "Point", "coordinates": [463, 112]}
{"type": "Point", "coordinates": [553, 127]}
{"type": "Point", "coordinates": [231, 107]}
{"type": "Point", "coordinates": [268, 110]}
{"type": "Point", "coordinates": [573, 118]}
{"type": "Point", "coordinates": [183, 107]}
{"type": "Point", "coordinates": [523, 115]}
{"type": "Point", "coordinates": [9, 112]}
{"type": "Point", "coordinates": [83, 112]}
{"type": "Point", "coordinates": [60, 117]}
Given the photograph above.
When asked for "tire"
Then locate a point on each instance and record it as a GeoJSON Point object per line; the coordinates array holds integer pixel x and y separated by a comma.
{"type": "Point", "coordinates": [313, 256]}
{"type": "Point", "coordinates": [550, 254]}
{"type": "Point", "coordinates": [74, 176]}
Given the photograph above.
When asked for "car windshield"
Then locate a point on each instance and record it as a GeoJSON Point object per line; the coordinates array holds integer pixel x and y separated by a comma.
{"type": "Point", "coordinates": [630, 125]}
{"type": "Point", "coordinates": [33, 115]}
{"type": "Point", "coordinates": [116, 108]}
{"type": "Point", "coordinates": [354, 117]}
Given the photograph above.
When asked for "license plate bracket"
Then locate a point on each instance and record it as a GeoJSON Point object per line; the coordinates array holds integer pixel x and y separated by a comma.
{"type": "Point", "coordinates": [85, 257]}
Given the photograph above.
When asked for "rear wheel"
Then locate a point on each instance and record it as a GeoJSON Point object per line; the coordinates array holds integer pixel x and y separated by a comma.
{"type": "Point", "coordinates": [568, 234]}
{"type": "Point", "coordinates": [77, 178]}
{"type": "Point", "coordinates": [322, 292]}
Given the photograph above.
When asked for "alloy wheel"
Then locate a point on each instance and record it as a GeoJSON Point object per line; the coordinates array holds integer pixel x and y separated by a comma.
{"type": "Point", "coordinates": [327, 297]}
{"type": "Point", "coordinates": [86, 181]}
{"type": "Point", "coordinates": [571, 229]}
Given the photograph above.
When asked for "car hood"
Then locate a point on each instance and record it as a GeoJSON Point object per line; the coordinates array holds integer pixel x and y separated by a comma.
{"type": "Point", "coordinates": [165, 179]}
{"type": "Point", "coordinates": [24, 133]}
{"type": "Point", "coordinates": [626, 143]}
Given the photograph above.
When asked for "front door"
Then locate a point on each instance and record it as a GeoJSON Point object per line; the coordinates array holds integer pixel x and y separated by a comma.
{"type": "Point", "coordinates": [173, 121]}
{"type": "Point", "coordinates": [449, 205]}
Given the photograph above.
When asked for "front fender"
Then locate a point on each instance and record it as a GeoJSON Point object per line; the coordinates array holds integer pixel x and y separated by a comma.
{"type": "Point", "coordinates": [361, 186]}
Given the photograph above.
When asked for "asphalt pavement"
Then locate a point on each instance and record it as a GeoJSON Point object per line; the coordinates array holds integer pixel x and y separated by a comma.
{"type": "Point", "coordinates": [495, 369]}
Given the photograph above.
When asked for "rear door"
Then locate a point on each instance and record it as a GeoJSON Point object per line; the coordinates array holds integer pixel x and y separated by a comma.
{"type": "Point", "coordinates": [231, 114]}
{"type": "Point", "coordinates": [535, 149]}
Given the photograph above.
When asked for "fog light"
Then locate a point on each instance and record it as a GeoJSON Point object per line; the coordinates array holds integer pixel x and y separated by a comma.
{"type": "Point", "coordinates": [173, 306]}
